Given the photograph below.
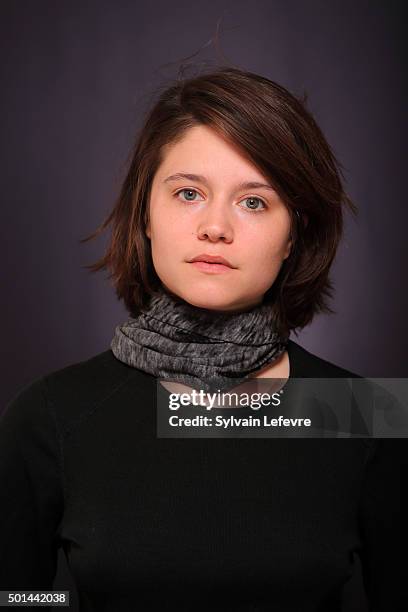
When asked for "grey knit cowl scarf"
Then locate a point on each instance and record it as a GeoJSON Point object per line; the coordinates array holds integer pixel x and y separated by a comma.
{"type": "Point", "coordinates": [205, 349]}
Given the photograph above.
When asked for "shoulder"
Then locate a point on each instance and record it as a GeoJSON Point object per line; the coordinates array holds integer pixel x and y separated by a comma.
{"type": "Point", "coordinates": [338, 396]}
{"type": "Point", "coordinates": [88, 379]}
{"type": "Point", "coordinates": [304, 364]}
{"type": "Point", "coordinates": [65, 395]}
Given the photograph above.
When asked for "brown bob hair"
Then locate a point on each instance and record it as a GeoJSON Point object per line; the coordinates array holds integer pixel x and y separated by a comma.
{"type": "Point", "coordinates": [274, 130]}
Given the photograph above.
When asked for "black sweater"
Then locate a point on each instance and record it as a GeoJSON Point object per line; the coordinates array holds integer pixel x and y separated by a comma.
{"type": "Point", "coordinates": [148, 523]}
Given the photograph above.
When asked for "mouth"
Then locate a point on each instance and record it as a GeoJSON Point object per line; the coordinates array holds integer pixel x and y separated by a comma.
{"type": "Point", "coordinates": [212, 268]}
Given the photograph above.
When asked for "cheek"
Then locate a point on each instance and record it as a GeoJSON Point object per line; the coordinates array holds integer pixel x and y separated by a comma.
{"type": "Point", "coordinates": [265, 264]}
{"type": "Point", "coordinates": [165, 225]}
{"type": "Point", "coordinates": [269, 244]}
{"type": "Point", "coordinates": [268, 262]}
{"type": "Point", "coordinates": [167, 243]}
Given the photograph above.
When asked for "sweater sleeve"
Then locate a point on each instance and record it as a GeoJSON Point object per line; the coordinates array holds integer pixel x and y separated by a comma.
{"type": "Point", "coordinates": [31, 492]}
{"type": "Point", "coordinates": [383, 523]}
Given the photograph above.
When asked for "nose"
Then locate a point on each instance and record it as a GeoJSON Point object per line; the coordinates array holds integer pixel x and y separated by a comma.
{"type": "Point", "coordinates": [215, 225]}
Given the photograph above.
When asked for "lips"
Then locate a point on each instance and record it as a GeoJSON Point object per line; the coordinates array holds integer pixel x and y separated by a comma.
{"type": "Point", "coordinates": [212, 259]}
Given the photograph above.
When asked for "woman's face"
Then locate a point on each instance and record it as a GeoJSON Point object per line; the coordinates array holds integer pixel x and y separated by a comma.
{"type": "Point", "coordinates": [213, 213]}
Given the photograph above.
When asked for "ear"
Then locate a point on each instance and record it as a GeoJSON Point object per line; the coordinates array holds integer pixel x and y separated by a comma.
{"type": "Point", "coordinates": [288, 249]}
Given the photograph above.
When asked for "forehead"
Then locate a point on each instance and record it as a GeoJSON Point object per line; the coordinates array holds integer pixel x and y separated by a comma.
{"type": "Point", "coordinates": [202, 150]}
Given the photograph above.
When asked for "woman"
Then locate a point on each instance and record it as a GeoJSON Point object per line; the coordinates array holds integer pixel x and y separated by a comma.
{"type": "Point", "coordinates": [222, 241]}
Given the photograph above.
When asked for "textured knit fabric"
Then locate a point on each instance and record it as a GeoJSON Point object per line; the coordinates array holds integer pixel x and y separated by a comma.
{"type": "Point", "coordinates": [235, 524]}
{"type": "Point", "coordinates": [206, 349]}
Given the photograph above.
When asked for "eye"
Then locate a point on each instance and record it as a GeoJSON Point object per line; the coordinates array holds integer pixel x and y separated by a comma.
{"type": "Point", "coordinates": [189, 196]}
{"type": "Point", "coordinates": [253, 199]}
{"type": "Point", "coordinates": [189, 192]}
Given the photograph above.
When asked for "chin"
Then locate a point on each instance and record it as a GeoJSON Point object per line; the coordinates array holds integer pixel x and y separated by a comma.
{"type": "Point", "coordinates": [204, 301]}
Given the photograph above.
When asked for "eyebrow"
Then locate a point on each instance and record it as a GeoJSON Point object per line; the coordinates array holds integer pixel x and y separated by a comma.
{"type": "Point", "coordinates": [201, 179]}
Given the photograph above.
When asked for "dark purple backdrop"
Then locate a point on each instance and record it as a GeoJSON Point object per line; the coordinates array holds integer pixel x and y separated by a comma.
{"type": "Point", "coordinates": [76, 78]}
